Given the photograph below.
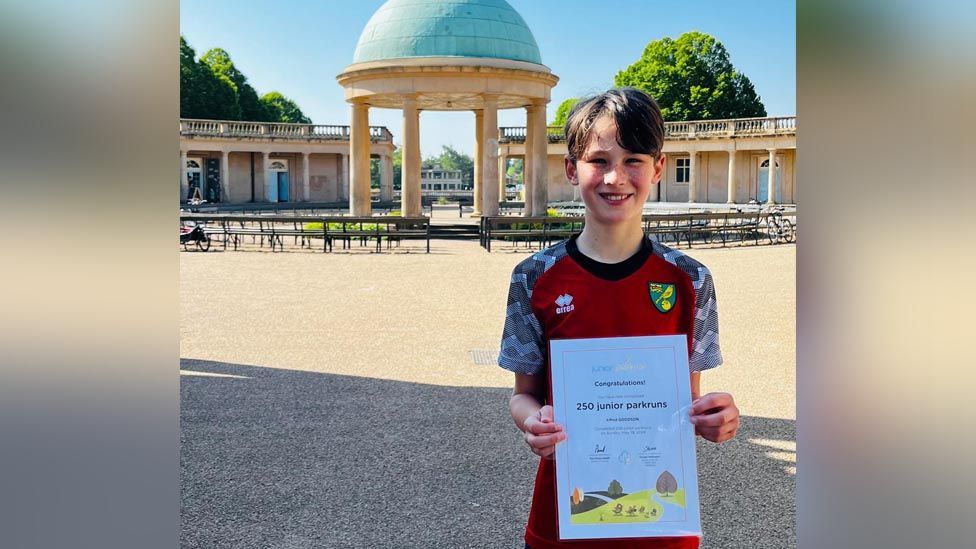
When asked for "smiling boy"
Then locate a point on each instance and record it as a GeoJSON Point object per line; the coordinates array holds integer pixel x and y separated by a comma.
{"type": "Point", "coordinates": [609, 281]}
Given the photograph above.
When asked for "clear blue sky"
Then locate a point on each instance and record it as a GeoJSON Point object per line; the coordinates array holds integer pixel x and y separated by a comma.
{"type": "Point", "coordinates": [298, 47]}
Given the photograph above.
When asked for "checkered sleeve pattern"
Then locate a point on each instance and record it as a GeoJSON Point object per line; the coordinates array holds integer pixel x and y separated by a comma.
{"type": "Point", "coordinates": [522, 348]}
{"type": "Point", "coordinates": [705, 352]}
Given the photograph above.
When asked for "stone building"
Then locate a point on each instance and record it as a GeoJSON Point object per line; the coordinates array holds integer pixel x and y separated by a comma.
{"type": "Point", "coordinates": [710, 161]}
{"type": "Point", "coordinates": [463, 55]}
{"type": "Point", "coordinates": [240, 162]}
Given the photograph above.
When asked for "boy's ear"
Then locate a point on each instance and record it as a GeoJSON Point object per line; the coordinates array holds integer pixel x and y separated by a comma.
{"type": "Point", "coordinates": [659, 167]}
{"type": "Point", "coordinates": [570, 165]}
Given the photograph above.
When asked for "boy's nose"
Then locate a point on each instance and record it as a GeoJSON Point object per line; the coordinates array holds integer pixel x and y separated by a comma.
{"type": "Point", "coordinates": [613, 177]}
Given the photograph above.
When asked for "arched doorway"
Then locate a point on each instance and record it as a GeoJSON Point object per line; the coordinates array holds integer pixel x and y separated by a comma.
{"type": "Point", "coordinates": [762, 181]}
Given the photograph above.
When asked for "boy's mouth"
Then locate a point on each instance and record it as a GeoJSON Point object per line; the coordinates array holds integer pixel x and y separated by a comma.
{"type": "Point", "coordinates": [615, 198]}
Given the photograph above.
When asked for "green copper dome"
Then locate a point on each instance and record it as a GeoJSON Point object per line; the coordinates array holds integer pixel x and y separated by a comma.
{"type": "Point", "coordinates": [446, 28]}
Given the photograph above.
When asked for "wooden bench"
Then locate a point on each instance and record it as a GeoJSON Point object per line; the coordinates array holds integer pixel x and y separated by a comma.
{"type": "Point", "coordinates": [275, 228]}
{"type": "Point", "coordinates": [542, 229]}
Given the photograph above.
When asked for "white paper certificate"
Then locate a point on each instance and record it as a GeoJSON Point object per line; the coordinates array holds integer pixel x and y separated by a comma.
{"type": "Point", "coordinates": [627, 468]}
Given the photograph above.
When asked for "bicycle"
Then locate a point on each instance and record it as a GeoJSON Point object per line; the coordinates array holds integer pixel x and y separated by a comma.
{"type": "Point", "coordinates": [195, 234]}
{"type": "Point", "coordinates": [778, 228]}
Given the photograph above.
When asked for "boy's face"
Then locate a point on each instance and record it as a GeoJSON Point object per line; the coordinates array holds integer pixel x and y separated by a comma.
{"type": "Point", "coordinates": [613, 182]}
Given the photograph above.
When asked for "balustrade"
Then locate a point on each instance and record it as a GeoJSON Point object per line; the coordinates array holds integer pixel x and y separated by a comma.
{"type": "Point", "coordinates": [225, 128]}
{"type": "Point", "coordinates": [693, 129]}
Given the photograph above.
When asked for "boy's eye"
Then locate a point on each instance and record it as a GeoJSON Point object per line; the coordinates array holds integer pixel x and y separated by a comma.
{"type": "Point", "coordinates": [634, 161]}
{"type": "Point", "coordinates": [597, 161]}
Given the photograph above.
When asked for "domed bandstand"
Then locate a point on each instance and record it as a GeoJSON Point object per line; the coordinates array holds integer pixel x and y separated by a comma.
{"type": "Point", "coordinates": [449, 55]}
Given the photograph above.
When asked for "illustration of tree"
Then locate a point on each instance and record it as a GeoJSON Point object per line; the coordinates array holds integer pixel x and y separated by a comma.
{"type": "Point", "coordinates": [667, 484]}
{"type": "Point", "coordinates": [577, 496]}
{"type": "Point", "coordinates": [615, 489]}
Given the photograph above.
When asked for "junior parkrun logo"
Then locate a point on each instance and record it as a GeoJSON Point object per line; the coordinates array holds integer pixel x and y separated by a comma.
{"type": "Point", "coordinates": [564, 304]}
{"type": "Point", "coordinates": [626, 366]}
{"type": "Point", "coordinates": [662, 295]}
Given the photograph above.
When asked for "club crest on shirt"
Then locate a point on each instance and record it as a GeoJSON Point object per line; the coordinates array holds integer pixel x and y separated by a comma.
{"type": "Point", "coordinates": [663, 295]}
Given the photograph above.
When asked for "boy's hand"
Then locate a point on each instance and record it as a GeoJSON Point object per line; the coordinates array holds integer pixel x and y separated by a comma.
{"type": "Point", "coordinates": [715, 416]}
{"type": "Point", "coordinates": [542, 433]}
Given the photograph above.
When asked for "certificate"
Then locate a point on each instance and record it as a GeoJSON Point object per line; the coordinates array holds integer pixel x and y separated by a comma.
{"type": "Point", "coordinates": [627, 467]}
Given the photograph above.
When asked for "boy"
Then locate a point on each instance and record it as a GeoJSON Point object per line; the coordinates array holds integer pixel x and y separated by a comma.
{"type": "Point", "coordinates": [599, 284]}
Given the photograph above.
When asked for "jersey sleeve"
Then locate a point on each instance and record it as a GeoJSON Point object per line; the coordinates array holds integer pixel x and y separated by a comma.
{"type": "Point", "coordinates": [521, 348]}
{"type": "Point", "coordinates": [705, 351]}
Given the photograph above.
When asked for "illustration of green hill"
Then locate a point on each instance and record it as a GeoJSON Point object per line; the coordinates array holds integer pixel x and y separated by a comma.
{"type": "Point", "coordinates": [636, 507]}
{"type": "Point", "coordinates": [679, 498]}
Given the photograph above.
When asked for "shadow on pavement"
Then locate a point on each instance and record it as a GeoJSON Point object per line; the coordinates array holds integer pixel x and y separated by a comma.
{"type": "Point", "coordinates": [282, 458]}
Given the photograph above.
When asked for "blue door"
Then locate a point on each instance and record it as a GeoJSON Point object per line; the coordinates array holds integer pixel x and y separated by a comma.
{"type": "Point", "coordinates": [762, 183]}
{"type": "Point", "coordinates": [282, 186]}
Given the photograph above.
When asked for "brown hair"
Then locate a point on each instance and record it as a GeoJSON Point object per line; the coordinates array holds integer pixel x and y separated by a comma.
{"type": "Point", "coordinates": [640, 128]}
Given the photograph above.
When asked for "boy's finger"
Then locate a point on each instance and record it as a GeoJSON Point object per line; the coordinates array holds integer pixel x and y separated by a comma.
{"type": "Point", "coordinates": [539, 428]}
{"type": "Point", "coordinates": [545, 413]}
{"type": "Point", "coordinates": [713, 420]}
{"type": "Point", "coordinates": [541, 441]}
{"type": "Point", "coordinates": [710, 401]}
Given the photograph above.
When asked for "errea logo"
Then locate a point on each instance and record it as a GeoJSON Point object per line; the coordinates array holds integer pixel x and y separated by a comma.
{"type": "Point", "coordinates": [564, 304]}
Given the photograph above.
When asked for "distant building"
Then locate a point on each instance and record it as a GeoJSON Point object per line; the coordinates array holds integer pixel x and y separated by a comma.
{"type": "Point", "coordinates": [238, 162]}
{"type": "Point", "coordinates": [439, 179]}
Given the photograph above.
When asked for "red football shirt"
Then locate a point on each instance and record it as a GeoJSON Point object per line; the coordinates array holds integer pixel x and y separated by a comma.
{"type": "Point", "coordinates": [559, 293]}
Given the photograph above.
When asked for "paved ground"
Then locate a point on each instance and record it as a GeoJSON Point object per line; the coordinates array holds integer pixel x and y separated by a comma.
{"type": "Point", "coordinates": [343, 400]}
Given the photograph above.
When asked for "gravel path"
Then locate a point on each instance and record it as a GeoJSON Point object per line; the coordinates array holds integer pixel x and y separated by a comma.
{"type": "Point", "coordinates": [350, 400]}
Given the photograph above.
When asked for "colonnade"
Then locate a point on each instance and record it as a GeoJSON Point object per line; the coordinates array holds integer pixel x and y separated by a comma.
{"type": "Point", "coordinates": [693, 178]}
{"type": "Point", "coordinates": [344, 187]}
{"type": "Point", "coordinates": [489, 170]}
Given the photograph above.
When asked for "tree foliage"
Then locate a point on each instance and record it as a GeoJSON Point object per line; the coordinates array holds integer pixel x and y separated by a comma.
{"type": "Point", "coordinates": [203, 94]}
{"type": "Point", "coordinates": [692, 78]}
{"type": "Point", "coordinates": [213, 88]}
{"type": "Point", "coordinates": [397, 168]}
{"type": "Point", "coordinates": [451, 159]}
{"type": "Point", "coordinates": [247, 99]}
{"type": "Point", "coordinates": [615, 489]}
{"type": "Point", "coordinates": [562, 112]}
{"type": "Point", "coordinates": [283, 109]}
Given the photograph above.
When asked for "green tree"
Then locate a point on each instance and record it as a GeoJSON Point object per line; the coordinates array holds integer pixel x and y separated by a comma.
{"type": "Point", "coordinates": [615, 489]}
{"type": "Point", "coordinates": [221, 65]}
{"type": "Point", "coordinates": [397, 168]}
{"type": "Point", "coordinates": [202, 93]}
{"type": "Point", "coordinates": [562, 112]}
{"type": "Point", "coordinates": [374, 172]}
{"type": "Point", "coordinates": [451, 159]}
{"type": "Point", "coordinates": [692, 78]}
{"type": "Point", "coordinates": [282, 109]}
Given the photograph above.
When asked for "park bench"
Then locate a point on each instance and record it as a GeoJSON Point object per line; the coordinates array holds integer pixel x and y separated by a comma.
{"type": "Point", "coordinates": [304, 229]}
{"type": "Point", "coordinates": [543, 229]}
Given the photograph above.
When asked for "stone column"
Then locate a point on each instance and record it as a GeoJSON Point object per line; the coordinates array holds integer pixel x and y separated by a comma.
{"type": "Point", "coordinates": [343, 189]}
{"type": "Point", "coordinates": [692, 177]}
{"type": "Point", "coordinates": [771, 179]}
{"type": "Point", "coordinates": [266, 168]}
{"type": "Point", "coordinates": [540, 164]}
{"type": "Point", "coordinates": [359, 200]}
{"type": "Point", "coordinates": [527, 164]}
{"type": "Point", "coordinates": [386, 178]}
{"type": "Point", "coordinates": [731, 193]}
{"type": "Point", "coordinates": [184, 186]}
{"type": "Point", "coordinates": [490, 156]}
{"type": "Point", "coordinates": [306, 178]}
{"type": "Point", "coordinates": [502, 169]}
{"type": "Point", "coordinates": [479, 145]}
{"type": "Point", "coordinates": [410, 174]}
{"type": "Point", "coordinates": [224, 176]}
